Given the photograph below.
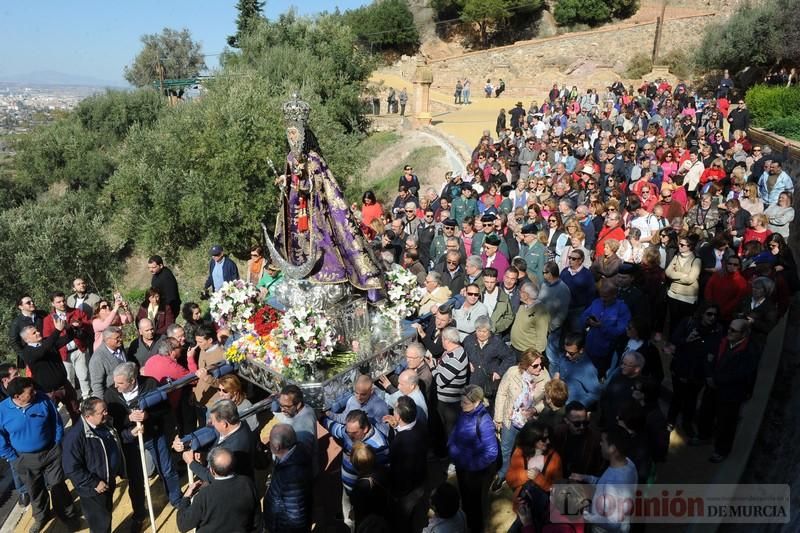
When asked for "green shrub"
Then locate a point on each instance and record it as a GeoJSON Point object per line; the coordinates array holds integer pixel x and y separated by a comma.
{"type": "Point", "coordinates": [639, 65]}
{"type": "Point", "coordinates": [768, 103]}
{"type": "Point", "coordinates": [591, 12]}
{"type": "Point", "coordinates": [788, 127]}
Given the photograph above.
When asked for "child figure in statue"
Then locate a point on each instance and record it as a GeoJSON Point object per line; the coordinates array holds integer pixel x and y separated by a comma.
{"type": "Point", "coordinates": [316, 235]}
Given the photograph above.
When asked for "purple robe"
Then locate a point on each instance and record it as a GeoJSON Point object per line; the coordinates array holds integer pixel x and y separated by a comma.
{"type": "Point", "coordinates": [345, 255]}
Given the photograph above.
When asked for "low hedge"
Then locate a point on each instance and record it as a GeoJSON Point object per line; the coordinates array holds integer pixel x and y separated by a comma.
{"type": "Point", "coordinates": [776, 109]}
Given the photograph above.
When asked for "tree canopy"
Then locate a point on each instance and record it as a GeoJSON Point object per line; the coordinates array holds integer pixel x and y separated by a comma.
{"type": "Point", "coordinates": [755, 35]}
{"type": "Point", "coordinates": [385, 24]}
{"type": "Point", "coordinates": [250, 12]}
{"type": "Point", "coordinates": [172, 50]}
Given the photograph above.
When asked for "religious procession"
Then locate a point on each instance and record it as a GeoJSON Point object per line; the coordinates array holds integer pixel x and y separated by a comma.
{"type": "Point", "coordinates": [599, 279]}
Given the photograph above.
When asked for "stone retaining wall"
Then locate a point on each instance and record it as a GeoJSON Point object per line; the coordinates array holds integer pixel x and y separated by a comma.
{"type": "Point", "coordinates": [538, 63]}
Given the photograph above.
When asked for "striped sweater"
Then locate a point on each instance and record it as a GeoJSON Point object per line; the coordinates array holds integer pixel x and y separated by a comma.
{"type": "Point", "coordinates": [374, 439]}
{"type": "Point", "coordinates": [451, 375]}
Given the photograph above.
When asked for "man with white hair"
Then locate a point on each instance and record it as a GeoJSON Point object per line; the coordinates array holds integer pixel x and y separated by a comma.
{"type": "Point", "coordinates": [450, 375]}
{"type": "Point", "coordinates": [435, 293]}
{"type": "Point", "coordinates": [408, 385]}
{"type": "Point", "coordinates": [363, 398]}
{"type": "Point", "coordinates": [474, 271]}
{"type": "Point", "coordinates": [531, 323]}
{"type": "Point", "coordinates": [105, 359]}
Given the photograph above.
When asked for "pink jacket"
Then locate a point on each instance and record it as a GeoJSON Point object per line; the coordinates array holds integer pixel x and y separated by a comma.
{"type": "Point", "coordinates": [161, 367]}
{"type": "Point", "coordinates": [99, 325]}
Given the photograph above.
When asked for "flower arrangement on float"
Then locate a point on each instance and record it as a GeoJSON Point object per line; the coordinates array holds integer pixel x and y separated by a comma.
{"type": "Point", "coordinates": [403, 294]}
{"type": "Point", "coordinates": [233, 305]}
{"type": "Point", "coordinates": [287, 342]}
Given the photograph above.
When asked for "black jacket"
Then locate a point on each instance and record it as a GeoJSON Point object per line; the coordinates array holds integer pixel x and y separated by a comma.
{"type": "Point", "coordinates": [229, 505]}
{"type": "Point", "coordinates": [167, 286]}
{"type": "Point", "coordinates": [19, 323]}
{"type": "Point", "coordinates": [287, 504]}
{"type": "Point", "coordinates": [734, 371]}
{"type": "Point", "coordinates": [158, 417]}
{"type": "Point", "coordinates": [408, 452]}
{"type": "Point", "coordinates": [241, 443]}
{"type": "Point", "coordinates": [90, 456]}
{"type": "Point", "coordinates": [494, 357]}
{"type": "Point", "coordinates": [690, 359]}
{"type": "Point", "coordinates": [45, 362]}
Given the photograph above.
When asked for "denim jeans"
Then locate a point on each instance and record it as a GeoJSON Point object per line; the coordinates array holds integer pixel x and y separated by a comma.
{"type": "Point", "coordinates": [507, 438]}
{"type": "Point", "coordinates": [166, 469]}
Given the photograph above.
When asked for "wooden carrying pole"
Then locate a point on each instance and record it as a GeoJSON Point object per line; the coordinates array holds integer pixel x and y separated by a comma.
{"type": "Point", "coordinates": [146, 479]}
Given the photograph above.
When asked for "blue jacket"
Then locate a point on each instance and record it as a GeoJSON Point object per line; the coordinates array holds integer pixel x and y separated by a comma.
{"type": "Point", "coordinates": [613, 319]}
{"type": "Point", "coordinates": [472, 444]}
{"type": "Point", "coordinates": [230, 272]}
{"type": "Point", "coordinates": [38, 427]}
{"type": "Point", "coordinates": [87, 458]}
{"type": "Point", "coordinates": [783, 183]}
{"type": "Point", "coordinates": [287, 504]}
{"type": "Point", "coordinates": [580, 377]}
{"type": "Point", "coordinates": [581, 286]}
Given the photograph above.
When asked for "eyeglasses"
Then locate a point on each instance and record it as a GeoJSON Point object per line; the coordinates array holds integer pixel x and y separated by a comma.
{"type": "Point", "coordinates": [552, 220]}
{"type": "Point", "coordinates": [574, 258]}
{"type": "Point", "coordinates": [536, 365]}
{"type": "Point", "coordinates": [254, 255]}
{"type": "Point", "coordinates": [452, 262]}
{"type": "Point", "coordinates": [410, 211]}
{"type": "Point", "coordinates": [428, 216]}
{"type": "Point", "coordinates": [102, 306]}
{"type": "Point", "coordinates": [683, 244]}
{"type": "Point", "coordinates": [473, 294]}
{"type": "Point", "coordinates": [612, 209]}
{"type": "Point", "coordinates": [223, 391]}
{"type": "Point", "coordinates": [451, 228]}
{"type": "Point", "coordinates": [29, 302]}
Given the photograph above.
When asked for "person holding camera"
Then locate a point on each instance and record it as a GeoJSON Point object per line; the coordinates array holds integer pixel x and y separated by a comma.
{"type": "Point", "coordinates": [107, 315]}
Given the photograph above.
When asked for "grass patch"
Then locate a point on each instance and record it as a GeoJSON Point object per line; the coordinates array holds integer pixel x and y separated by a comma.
{"type": "Point", "coordinates": [385, 186]}
{"type": "Point", "coordinates": [378, 142]}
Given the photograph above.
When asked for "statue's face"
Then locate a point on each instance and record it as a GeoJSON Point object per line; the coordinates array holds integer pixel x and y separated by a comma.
{"type": "Point", "coordinates": [293, 135]}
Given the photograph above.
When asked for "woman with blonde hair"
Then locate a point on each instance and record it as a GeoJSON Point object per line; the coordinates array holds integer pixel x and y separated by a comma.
{"type": "Point", "coordinates": [577, 241]}
{"type": "Point", "coordinates": [738, 180]}
{"type": "Point", "coordinates": [229, 387]}
{"type": "Point", "coordinates": [750, 200]}
{"type": "Point", "coordinates": [607, 266]}
{"type": "Point", "coordinates": [758, 231]}
{"type": "Point", "coordinates": [520, 397]}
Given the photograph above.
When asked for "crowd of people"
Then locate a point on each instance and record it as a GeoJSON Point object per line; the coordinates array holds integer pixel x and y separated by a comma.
{"type": "Point", "coordinates": [597, 250]}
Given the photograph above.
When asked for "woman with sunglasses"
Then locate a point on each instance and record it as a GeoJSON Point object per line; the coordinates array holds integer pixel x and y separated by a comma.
{"type": "Point", "coordinates": [105, 315]}
{"type": "Point", "coordinates": [695, 337]}
{"type": "Point", "coordinates": [520, 398]}
{"type": "Point", "coordinates": [750, 200]}
{"type": "Point", "coordinates": [229, 387]}
{"type": "Point", "coordinates": [556, 237]}
{"type": "Point", "coordinates": [684, 274]}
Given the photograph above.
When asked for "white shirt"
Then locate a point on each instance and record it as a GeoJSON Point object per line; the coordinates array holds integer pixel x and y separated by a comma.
{"type": "Point", "coordinates": [490, 300]}
{"type": "Point", "coordinates": [406, 427]}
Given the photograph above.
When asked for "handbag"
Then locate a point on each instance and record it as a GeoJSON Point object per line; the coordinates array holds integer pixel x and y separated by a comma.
{"type": "Point", "coordinates": [498, 461]}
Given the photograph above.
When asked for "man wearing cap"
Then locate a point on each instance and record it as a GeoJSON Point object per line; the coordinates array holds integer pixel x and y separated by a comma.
{"type": "Point", "coordinates": [487, 228]}
{"type": "Point", "coordinates": [439, 245]}
{"type": "Point", "coordinates": [220, 269]}
{"type": "Point", "coordinates": [492, 256]}
{"type": "Point", "coordinates": [533, 252]}
{"type": "Point", "coordinates": [269, 280]}
{"type": "Point", "coordinates": [517, 115]}
{"type": "Point", "coordinates": [465, 205]}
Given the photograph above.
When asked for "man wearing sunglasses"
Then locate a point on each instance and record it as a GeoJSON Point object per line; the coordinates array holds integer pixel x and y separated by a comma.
{"type": "Point", "coordinates": [577, 371]}
{"type": "Point", "coordinates": [732, 373]}
{"type": "Point", "coordinates": [577, 442]}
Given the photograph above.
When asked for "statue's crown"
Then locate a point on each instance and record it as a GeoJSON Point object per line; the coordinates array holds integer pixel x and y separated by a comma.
{"type": "Point", "coordinates": [296, 111]}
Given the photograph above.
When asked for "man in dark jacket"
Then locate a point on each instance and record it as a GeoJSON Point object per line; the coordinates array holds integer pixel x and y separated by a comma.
{"type": "Point", "coordinates": [287, 504]}
{"type": "Point", "coordinates": [92, 458]}
{"type": "Point", "coordinates": [230, 503]}
{"type": "Point", "coordinates": [220, 270]}
{"type": "Point", "coordinates": [431, 335]}
{"type": "Point", "coordinates": [232, 435]}
{"type": "Point", "coordinates": [739, 117]}
{"type": "Point", "coordinates": [408, 452]}
{"type": "Point", "coordinates": [164, 280]}
{"type": "Point", "coordinates": [28, 316]}
{"type": "Point", "coordinates": [47, 368]}
{"type": "Point", "coordinates": [122, 403]}
{"type": "Point", "coordinates": [489, 357]}
{"type": "Point", "coordinates": [732, 372]}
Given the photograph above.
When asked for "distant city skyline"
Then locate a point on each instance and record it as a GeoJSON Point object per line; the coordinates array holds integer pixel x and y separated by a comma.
{"type": "Point", "coordinates": [93, 41]}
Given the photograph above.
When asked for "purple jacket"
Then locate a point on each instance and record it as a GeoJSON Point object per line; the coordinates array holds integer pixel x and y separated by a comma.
{"type": "Point", "coordinates": [472, 444]}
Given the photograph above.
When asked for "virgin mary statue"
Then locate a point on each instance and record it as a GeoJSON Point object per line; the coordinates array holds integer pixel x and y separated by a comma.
{"type": "Point", "coordinates": [316, 236]}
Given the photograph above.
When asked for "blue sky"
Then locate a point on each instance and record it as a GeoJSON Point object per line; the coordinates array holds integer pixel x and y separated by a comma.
{"type": "Point", "coordinates": [98, 38]}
